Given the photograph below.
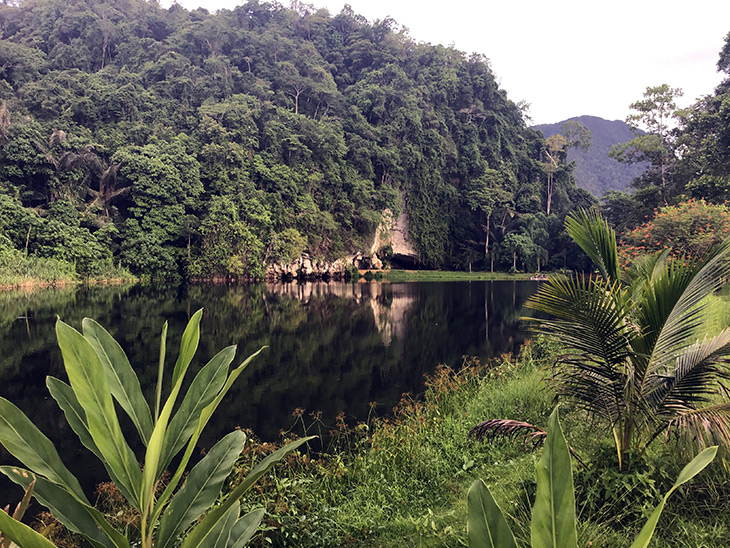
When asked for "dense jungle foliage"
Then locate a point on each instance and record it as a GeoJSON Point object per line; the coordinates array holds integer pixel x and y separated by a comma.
{"type": "Point", "coordinates": [184, 143]}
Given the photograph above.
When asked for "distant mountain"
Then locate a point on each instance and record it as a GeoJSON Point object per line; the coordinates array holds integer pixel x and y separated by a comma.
{"type": "Point", "coordinates": [594, 170]}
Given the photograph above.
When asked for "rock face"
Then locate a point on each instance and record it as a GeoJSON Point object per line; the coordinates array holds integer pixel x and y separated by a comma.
{"type": "Point", "coordinates": [391, 232]}
{"type": "Point", "coordinates": [394, 232]}
{"type": "Point", "coordinates": [307, 269]}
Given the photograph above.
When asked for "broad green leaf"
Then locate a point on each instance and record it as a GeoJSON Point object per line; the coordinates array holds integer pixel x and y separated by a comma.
{"type": "Point", "coordinates": [75, 415]}
{"type": "Point", "coordinates": [220, 533]}
{"type": "Point", "coordinates": [30, 446]}
{"type": "Point", "coordinates": [245, 528]}
{"type": "Point", "coordinates": [205, 416]}
{"type": "Point", "coordinates": [486, 526]}
{"type": "Point", "coordinates": [123, 381]}
{"type": "Point", "coordinates": [89, 382]}
{"type": "Point", "coordinates": [21, 534]}
{"type": "Point", "coordinates": [152, 472]}
{"type": "Point", "coordinates": [188, 346]}
{"type": "Point", "coordinates": [553, 514]}
{"type": "Point", "coordinates": [160, 370]}
{"type": "Point", "coordinates": [202, 391]}
{"type": "Point", "coordinates": [695, 466]}
{"type": "Point", "coordinates": [201, 530]}
{"type": "Point", "coordinates": [201, 488]}
{"type": "Point", "coordinates": [62, 504]}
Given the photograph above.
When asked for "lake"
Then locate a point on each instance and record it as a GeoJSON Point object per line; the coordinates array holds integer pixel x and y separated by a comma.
{"type": "Point", "coordinates": [332, 347]}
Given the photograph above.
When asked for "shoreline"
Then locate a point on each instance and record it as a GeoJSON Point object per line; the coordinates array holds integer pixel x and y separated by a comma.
{"type": "Point", "coordinates": [386, 276]}
{"type": "Point", "coordinates": [30, 285]}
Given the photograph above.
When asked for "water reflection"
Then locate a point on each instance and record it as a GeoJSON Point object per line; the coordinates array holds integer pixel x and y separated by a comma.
{"type": "Point", "coordinates": [332, 347]}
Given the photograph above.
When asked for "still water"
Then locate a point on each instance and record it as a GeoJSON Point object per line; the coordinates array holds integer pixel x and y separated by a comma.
{"type": "Point", "coordinates": [332, 347]}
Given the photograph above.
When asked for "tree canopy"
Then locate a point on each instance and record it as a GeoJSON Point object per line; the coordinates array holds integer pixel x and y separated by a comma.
{"type": "Point", "coordinates": [202, 143]}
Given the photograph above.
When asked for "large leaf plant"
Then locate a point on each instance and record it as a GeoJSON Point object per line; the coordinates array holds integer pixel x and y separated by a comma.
{"type": "Point", "coordinates": [553, 523]}
{"type": "Point", "coordinates": [636, 350]}
{"type": "Point", "coordinates": [172, 513]}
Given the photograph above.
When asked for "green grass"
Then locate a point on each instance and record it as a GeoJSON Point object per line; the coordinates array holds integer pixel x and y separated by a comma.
{"type": "Point", "coordinates": [20, 270]}
{"type": "Point", "coordinates": [402, 481]}
{"type": "Point", "coordinates": [449, 276]}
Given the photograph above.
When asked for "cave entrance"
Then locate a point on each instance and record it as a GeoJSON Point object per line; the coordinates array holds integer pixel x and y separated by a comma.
{"type": "Point", "coordinates": [404, 262]}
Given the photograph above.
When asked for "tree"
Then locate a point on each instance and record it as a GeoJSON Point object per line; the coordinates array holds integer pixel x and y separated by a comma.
{"type": "Point", "coordinates": [688, 230]}
{"type": "Point", "coordinates": [638, 355]}
{"type": "Point", "coordinates": [572, 135]}
{"type": "Point", "coordinates": [703, 170]}
{"type": "Point", "coordinates": [555, 146]}
{"type": "Point", "coordinates": [486, 196]}
{"type": "Point", "coordinates": [652, 122]}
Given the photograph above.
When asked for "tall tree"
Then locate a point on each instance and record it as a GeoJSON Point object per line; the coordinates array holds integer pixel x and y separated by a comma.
{"type": "Point", "coordinates": [653, 119]}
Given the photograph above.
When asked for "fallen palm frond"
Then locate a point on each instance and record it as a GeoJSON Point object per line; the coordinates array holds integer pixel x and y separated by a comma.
{"type": "Point", "coordinates": [530, 434]}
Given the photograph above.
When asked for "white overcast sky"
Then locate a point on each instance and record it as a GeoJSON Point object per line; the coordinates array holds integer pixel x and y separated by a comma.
{"type": "Point", "coordinates": [566, 57]}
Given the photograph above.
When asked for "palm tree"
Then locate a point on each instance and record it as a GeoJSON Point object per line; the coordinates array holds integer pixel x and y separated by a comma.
{"type": "Point", "coordinates": [636, 352]}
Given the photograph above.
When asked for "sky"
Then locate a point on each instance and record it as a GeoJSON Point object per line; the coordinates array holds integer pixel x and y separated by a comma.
{"type": "Point", "coordinates": [566, 58]}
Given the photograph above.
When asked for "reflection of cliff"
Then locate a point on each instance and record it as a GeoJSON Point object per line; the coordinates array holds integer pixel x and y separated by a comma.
{"type": "Point", "coordinates": [390, 303]}
{"type": "Point", "coordinates": [391, 314]}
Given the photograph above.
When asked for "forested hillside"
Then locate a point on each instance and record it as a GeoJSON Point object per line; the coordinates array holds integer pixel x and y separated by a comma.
{"type": "Point", "coordinates": [595, 171]}
{"type": "Point", "coordinates": [183, 143]}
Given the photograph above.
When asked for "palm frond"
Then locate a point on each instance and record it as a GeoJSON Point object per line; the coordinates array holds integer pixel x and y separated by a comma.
{"type": "Point", "coordinates": [597, 239]}
{"type": "Point", "coordinates": [707, 426]}
{"type": "Point", "coordinates": [598, 389]}
{"type": "Point", "coordinates": [492, 429]}
{"type": "Point", "coordinates": [530, 434]}
{"type": "Point", "coordinates": [698, 281]}
{"type": "Point", "coordinates": [694, 380]}
{"type": "Point", "coordinates": [643, 270]}
{"type": "Point", "coordinates": [588, 315]}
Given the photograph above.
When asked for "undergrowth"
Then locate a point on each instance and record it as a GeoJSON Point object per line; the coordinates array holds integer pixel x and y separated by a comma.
{"type": "Point", "coordinates": [401, 480]}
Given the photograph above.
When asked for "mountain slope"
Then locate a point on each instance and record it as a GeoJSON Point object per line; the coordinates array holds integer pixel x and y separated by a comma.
{"type": "Point", "coordinates": [594, 170]}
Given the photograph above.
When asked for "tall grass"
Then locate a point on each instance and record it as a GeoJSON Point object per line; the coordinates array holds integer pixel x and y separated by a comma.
{"type": "Point", "coordinates": [402, 481]}
{"type": "Point", "coordinates": [17, 268]}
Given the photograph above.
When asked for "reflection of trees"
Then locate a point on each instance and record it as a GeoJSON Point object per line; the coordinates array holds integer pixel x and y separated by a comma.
{"type": "Point", "coordinates": [328, 350]}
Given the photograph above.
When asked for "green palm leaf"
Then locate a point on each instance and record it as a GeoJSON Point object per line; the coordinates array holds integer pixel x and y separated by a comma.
{"type": "Point", "coordinates": [589, 316]}
{"type": "Point", "coordinates": [202, 530]}
{"type": "Point", "coordinates": [89, 382]}
{"type": "Point", "coordinates": [75, 515]}
{"type": "Point", "coordinates": [21, 534]}
{"type": "Point", "coordinates": [486, 526]}
{"type": "Point", "coordinates": [202, 391]}
{"type": "Point", "coordinates": [695, 282]}
{"type": "Point", "coordinates": [245, 528]}
{"type": "Point", "coordinates": [30, 446]}
{"type": "Point", "coordinates": [553, 514]}
{"type": "Point", "coordinates": [597, 239]}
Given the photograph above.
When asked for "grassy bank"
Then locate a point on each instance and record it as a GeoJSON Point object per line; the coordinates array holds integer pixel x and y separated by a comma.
{"type": "Point", "coordinates": [18, 270]}
{"type": "Point", "coordinates": [402, 481]}
{"type": "Point", "coordinates": [449, 276]}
